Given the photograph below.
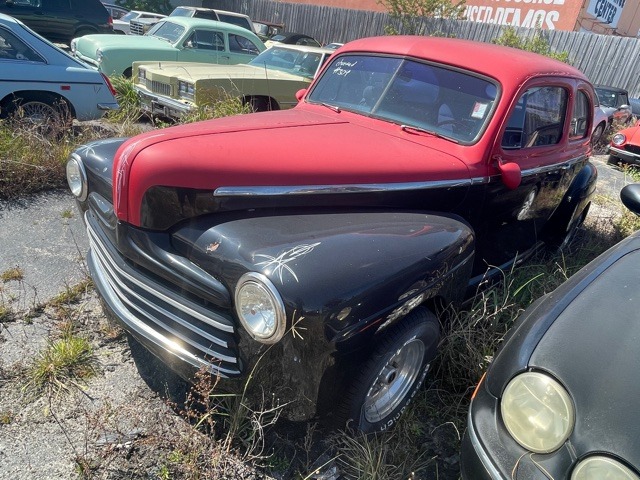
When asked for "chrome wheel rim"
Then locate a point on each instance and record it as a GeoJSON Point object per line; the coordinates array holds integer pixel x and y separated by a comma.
{"type": "Point", "coordinates": [37, 113]}
{"type": "Point", "coordinates": [394, 381]}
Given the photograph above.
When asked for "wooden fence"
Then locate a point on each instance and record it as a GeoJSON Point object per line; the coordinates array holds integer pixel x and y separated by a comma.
{"type": "Point", "coordinates": [605, 59]}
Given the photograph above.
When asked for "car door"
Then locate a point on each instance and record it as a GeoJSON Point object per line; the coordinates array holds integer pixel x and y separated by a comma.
{"type": "Point", "coordinates": [58, 18]}
{"type": "Point", "coordinates": [205, 45]}
{"type": "Point", "coordinates": [541, 137]}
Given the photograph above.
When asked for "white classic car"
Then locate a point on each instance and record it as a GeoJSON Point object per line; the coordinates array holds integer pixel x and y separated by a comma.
{"type": "Point", "coordinates": [42, 83]}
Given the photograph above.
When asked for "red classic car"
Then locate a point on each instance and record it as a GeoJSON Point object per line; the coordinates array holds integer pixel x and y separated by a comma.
{"type": "Point", "coordinates": [625, 146]}
{"type": "Point", "coordinates": [320, 243]}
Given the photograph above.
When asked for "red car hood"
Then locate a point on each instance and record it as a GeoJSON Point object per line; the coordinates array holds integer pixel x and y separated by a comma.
{"type": "Point", "coordinates": [286, 148]}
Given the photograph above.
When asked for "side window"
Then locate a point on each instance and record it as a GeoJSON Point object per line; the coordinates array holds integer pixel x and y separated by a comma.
{"type": "Point", "coordinates": [206, 40]}
{"type": "Point", "coordinates": [580, 116]}
{"type": "Point", "coordinates": [240, 44]}
{"type": "Point", "coordinates": [235, 20]}
{"type": "Point", "coordinates": [205, 14]}
{"type": "Point", "coordinates": [537, 120]}
{"type": "Point", "coordinates": [12, 48]}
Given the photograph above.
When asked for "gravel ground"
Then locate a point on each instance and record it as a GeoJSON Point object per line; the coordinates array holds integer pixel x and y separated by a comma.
{"type": "Point", "coordinates": [120, 423]}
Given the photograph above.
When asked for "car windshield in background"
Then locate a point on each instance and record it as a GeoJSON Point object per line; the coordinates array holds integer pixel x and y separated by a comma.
{"type": "Point", "coordinates": [611, 98]}
{"type": "Point", "coordinates": [446, 102]}
{"type": "Point", "coordinates": [167, 31]}
{"type": "Point", "coordinates": [129, 16]}
{"type": "Point", "coordinates": [304, 64]}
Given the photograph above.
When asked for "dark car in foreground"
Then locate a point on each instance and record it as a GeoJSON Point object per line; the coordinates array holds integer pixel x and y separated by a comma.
{"type": "Point", "coordinates": [560, 399]}
{"type": "Point", "coordinates": [320, 242]}
{"type": "Point", "coordinates": [60, 20]}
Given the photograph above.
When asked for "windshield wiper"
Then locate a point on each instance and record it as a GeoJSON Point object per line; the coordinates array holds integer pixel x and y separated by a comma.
{"type": "Point", "coordinates": [411, 128]}
{"type": "Point", "coordinates": [332, 107]}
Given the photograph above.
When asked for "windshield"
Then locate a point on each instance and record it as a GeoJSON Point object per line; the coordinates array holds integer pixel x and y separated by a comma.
{"type": "Point", "coordinates": [297, 62]}
{"type": "Point", "coordinates": [167, 31]}
{"type": "Point", "coordinates": [611, 98]}
{"type": "Point", "coordinates": [129, 16]}
{"type": "Point", "coordinates": [182, 12]}
{"type": "Point", "coordinates": [446, 102]}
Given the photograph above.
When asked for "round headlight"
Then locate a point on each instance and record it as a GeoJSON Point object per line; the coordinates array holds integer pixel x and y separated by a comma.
{"type": "Point", "coordinates": [98, 55]}
{"type": "Point", "coordinates": [537, 412]}
{"type": "Point", "coordinates": [77, 178]}
{"type": "Point", "coordinates": [618, 139]}
{"type": "Point", "coordinates": [260, 308]}
{"type": "Point", "coordinates": [602, 468]}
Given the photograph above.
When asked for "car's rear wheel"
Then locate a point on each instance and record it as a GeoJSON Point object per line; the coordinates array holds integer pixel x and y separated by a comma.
{"type": "Point", "coordinates": [563, 239]}
{"type": "Point", "coordinates": [43, 112]}
{"type": "Point", "coordinates": [596, 136]}
{"type": "Point", "coordinates": [392, 375]}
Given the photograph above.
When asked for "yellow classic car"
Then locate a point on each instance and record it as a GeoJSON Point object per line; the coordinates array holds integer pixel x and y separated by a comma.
{"type": "Point", "coordinates": [269, 82]}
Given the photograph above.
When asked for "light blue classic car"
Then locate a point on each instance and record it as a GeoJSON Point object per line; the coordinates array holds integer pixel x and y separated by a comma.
{"type": "Point", "coordinates": [173, 39]}
{"type": "Point", "coordinates": [43, 84]}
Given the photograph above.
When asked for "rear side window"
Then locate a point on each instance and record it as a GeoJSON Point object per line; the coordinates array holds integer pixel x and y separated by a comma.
{"type": "Point", "coordinates": [12, 48]}
{"type": "Point", "coordinates": [240, 44]}
{"type": "Point", "coordinates": [580, 116]}
{"type": "Point", "coordinates": [209, 15]}
{"type": "Point", "coordinates": [537, 120]}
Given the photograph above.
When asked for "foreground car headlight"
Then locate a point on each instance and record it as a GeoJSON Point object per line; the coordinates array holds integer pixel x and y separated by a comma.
{"type": "Point", "coordinates": [260, 308]}
{"type": "Point", "coordinates": [142, 75]}
{"type": "Point", "coordinates": [602, 468]}
{"type": "Point", "coordinates": [537, 412]}
{"type": "Point", "coordinates": [98, 55]}
{"type": "Point", "coordinates": [73, 46]}
{"type": "Point", "coordinates": [186, 89]}
{"type": "Point", "coordinates": [77, 178]}
{"type": "Point", "coordinates": [618, 139]}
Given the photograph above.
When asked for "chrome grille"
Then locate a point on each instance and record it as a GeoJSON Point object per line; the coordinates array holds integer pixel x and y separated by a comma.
{"type": "Point", "coordinates": [187, 329]}
{"type": "Point", "coordinates": [136, 28]}
{"type": "Point", "coordinates": [159, 87]}
{"type": "Point", "coordinates": [632, 148]}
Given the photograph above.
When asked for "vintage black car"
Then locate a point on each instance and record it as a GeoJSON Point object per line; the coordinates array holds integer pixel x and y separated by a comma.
{"type": "Point", "coordinates": [560, 399]}
{"type": "Point", "coordinates": [328, 236]}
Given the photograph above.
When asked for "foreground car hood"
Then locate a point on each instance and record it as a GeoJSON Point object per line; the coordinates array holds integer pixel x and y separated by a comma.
{"type": "Point", "coordinates": [303, 146]}
{"type": "Point", "coordinates": [192, 72]}
{"type": "Point", "coordinates": [592, 348]}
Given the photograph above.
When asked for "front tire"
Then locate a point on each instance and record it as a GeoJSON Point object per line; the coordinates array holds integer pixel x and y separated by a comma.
{"type": "Point", "coordinates": [390, 378]}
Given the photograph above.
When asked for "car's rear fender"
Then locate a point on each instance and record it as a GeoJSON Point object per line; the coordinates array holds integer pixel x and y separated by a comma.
{"type": "Point", "coordinates": [576, 199]}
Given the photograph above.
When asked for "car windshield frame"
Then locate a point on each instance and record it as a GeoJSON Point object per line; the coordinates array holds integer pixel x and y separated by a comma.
{"type": "Point", "coordinates": [168, 31]}
{"type": "Point", "coordinates": [416, 94]}
{"type": "Point", "coordinates": [617, 97]}
{"type": "Point", "coordinates": [303, 63]}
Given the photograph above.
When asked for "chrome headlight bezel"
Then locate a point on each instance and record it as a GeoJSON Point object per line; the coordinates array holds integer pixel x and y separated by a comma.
{"type": "Point", "coordinates": [537, 411]}
{"type": "Point", "coordinates": [142, 75]}
{"type": "Point", "coordinates": [73, 46]}
{"type": "Point", "coordinates": [597, 467]}
{"type": "Point", "coordinates": [254, 286]}
{"type": "Point", "coordinates": [77, 178]}
{"type": "Point", "coordinates": [618, 139]}
{"type": "Point", "coordinates": [99, 55]}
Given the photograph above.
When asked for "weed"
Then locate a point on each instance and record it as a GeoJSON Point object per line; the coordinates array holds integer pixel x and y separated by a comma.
{"type": "Point", "coordinates": [13, 274]}
{"type": "Point", "coordinates": [6, 417]}
{"type": "Point", "coordinates": [223, 108]}
{"type": "Point", "coordinates": [71, 294]}
{"type": "Point", "coordinates": [62, 363]}
{"type": "Point", "coordinates": [68, 213]}
{"type": "Point", "coordinates": [128, 101]}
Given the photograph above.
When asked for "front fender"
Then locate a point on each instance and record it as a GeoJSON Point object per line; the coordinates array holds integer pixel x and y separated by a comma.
{"type": "Point", "coordinates": [349, 271]}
